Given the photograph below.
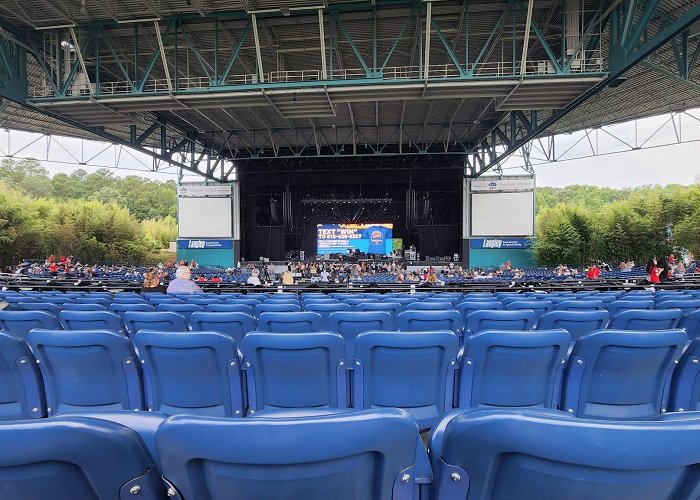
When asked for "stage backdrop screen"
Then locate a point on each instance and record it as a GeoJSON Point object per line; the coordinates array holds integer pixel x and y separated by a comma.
{"type": "Point", "coordinates": [204, 218]}
{"type": "Point", "coordinates": [503, 214]}
{"type": "Point", "coordinates": [367, 238]}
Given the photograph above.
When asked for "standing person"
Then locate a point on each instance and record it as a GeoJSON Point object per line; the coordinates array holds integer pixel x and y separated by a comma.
{"type": "Point", "coordinates": [182, 282]}
{"type": "Point", "coordinates": [664, 269]}
{"type": "Point", "coordinates": [653, 271]}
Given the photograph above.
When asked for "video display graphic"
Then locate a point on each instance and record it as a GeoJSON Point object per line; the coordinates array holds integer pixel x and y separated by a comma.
{"type": "Point", "coordinates": [366, 238]}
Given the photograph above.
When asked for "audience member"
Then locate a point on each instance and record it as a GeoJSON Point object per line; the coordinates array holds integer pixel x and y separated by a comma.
{"type": "Point", "coordinates": [182, 282]}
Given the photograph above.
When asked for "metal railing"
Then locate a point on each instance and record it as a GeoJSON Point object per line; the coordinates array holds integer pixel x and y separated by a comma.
{"type": "Point", "coordinates": [497, 69]}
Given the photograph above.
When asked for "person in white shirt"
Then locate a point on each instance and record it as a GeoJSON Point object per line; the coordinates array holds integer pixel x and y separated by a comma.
{"type": "Point", "coordinates": [254, 279]}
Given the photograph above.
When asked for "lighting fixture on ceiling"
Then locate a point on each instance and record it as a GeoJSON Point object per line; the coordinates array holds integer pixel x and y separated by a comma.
{"type": "Point", "coordinates": [83, 10]}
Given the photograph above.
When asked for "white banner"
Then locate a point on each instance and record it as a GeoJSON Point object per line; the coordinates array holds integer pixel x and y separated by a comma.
{"type": "Point", "coordinates": [524, 184]}
{"type": "Point", "coordinates": [199, 191]}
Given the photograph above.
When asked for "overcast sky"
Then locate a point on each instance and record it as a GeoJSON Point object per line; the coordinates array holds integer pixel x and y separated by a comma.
{"type": "Point", "coordinates": [617, 165]}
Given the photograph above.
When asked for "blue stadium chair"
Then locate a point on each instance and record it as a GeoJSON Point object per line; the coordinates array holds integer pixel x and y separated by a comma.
{"type": "Point", "coordinates": [234, 324]}
{"type": "Point", "coordinates": [146, 320]}
{"type": "Point", "coordinates": [545, 454]}
{"type": "Point", "coordinates": [517, 298]}
{"type": "Point", "coordinates": [117, 295]}
{"type": "Point", "coordinates": [228, 295]}
{"type": "Point", "coordinates": [185, 310]}
{"type": "Point", "coordinates": [275, 308]}
{"type": "Point", "coordinates": [499, 320]}
{"type": "Point", "coordinates": [429, 306]}
{"type": "Point", "coordinates": [426, 321]}
{"type": "Point", "coordinates": [452, 299]}
{"type": "Point", "coordinates": [325, 309]}
{"type": "Point", "coordinates": [411, 371]}
{"type": "Point", "coordinates": [350, 324]}
{"type": "Point", "coordinates": [99, 295]}
{"type": "Point", "coordinates": [241, 308]}
{"type": "Point", "coordinates": [91, 320]}
{"type": "Point", "coordinates": [244, 302]}
{"type": "Point", "coordinates": [294, 370]}
{"type": "Point", "coordinates": [71, 458]}
{"type": "Point", "coordinates": [120, 309]}
{"type": "Point", "coordinates": [19, 323]}
{"type": "Point", "coordinates": [509, 368]}
{"type": "Point", "coordinates": [55, 300]}
{"type": "Point", "coordinates": [129, 300]}
{"type": "Point", "coordinates": [690, 322]}
{"type": "Point", "coordinates": [539, 306]}
{"type": "Point", "coordinates": [625, 305]}
{"type": "Point", "coordinates": [580, 304]}
{"type": "Point", "coordinates": [282, 301]}
{"type": "Point", "coordinates": [21, 387]}
{"type": "Point", "coordinates": [39, 306]}
{"type": "Point", "coordinates": [637, 296]}
{"type": "Point", "coordinates": [93, 300]}
{"type": "Point", "coordinates": [290, 322]}
{"type": "Point", "coordinates": [202, 301]}
{"type": "Point", "coordinates": [191, 374]}
{"type": "Point", "coordinates": [373, 454]}
{"type": "Point", "coordinates": [643, 319]}
{"type": "Point", "coordinates": [162, 299]}
{"type": "Point", "coordinates": [577, 323]}
{"type": "Point", "coordinates": [94, 370]}
{"type": "Point", "coordinates": [621, 374]}
{"type": "Point", "coordinates": [306, 301]}
{"type": "Point", "coordinates": [404, 301]}
{"type": "Point", "coordinates": [392, 307]}
{"type": "Point", "coordinates": [357, 300]}
{"type": "Point", "coordinates": [685, 306]}
{"type": "Point", "coordinates": [685, 386]}
{"type": "Point", "coordinates": [469, 306]}
{"type": "Point", "coordinates": [69, 306]}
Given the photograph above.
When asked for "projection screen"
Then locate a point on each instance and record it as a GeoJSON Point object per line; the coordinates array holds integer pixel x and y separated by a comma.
{"type": "Point", "coordinates": [204, 218]}
{"type": "Point", "coordinates": [502, 214]}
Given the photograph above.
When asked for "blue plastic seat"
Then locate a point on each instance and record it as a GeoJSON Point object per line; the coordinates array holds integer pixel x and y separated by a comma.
{"type": "Point", "coordinates": [506, 301]}
{"type": "Point", "coordinates": [120, 309]}
{"type": "Point", "coordinates": [21, 387]}
{"type": "Point", "coordinates": [625, 305]}
{"type": "Point", "coordinates": [275, 308]}
{"type": "Point", "coordinates": [240, 308]}
{"type": "Point", "coordinates": [413, 371]}
{"type": "Point", "coordinates": [467, 307]}
{"type": "Point", "coordinates": [48, 307]}
{"type": "Point", "coordinates": [71, 458]}
{"type": "Point", "coordinates": [685, 306]}
{"type": "Point", "coordinates": [54, 300]}
{"type": "Point", "coordinates": [577, 323]}
{"type": "Point", "coordinates": [545, 454]}
{"type": "Point", "coordinates": [373, 454]}
{"type": "Point", "coordinates": [392, 307]}
{"type": "Point", "coordinates": [196, 374]}
{"type": "Point", "coordinates": [353, 301]}
{"type": "Point", "coordinates": [294, 370]}
{"type": "Point", "coordinates": [156, 299]}
{"type": "Point", "coordinates": [349, 324]}
{"type": "Point", "coordinates": [290, 322]}
{"type": "Point", "coordinates": [19, 323]}
{"type": "Point", "coordinates": [326, 309]}
{"type": "Point", "coordinates": [244, 301]}
{"type": "Point", "coordinates": [426, 321]}
{"type": "Point", "coordinates": [621, 374]}
{"type": "Point", "coordinates": [185, 310]}
{"type": "Point", "coordinates": [501, 368]}
{"type": "Point", "coordinates": [499, 320]}
{"type": "Point", "coordinates": [690, 322]}
{"type": "Point", "coordinates": [540, 307]}
{"type": "Point", "coordinates": [643, 319]}
{"type": "Point", "coordinates": [129, 300]}
{"type": "Point", "coordinates": [429, 306]}
{"type": "Point", "coordinates": [69, 306]}
{"type": "Point", "coordinates": [685, 386]}
{"type": "Point", "coordinates": [91, 320]}
{"type": "Point", "coordinates": [146, 320]}
{"type": "Point", "coordinates": [202, 301]}
{"type": "Point", "coordinates": [234, 324]}
{"type": "Point", "coordinates": [87, 370]}
{"type": "Point", "coordinates": [580, 304]}
{"type": "Point", "coordinates": [94, 300]}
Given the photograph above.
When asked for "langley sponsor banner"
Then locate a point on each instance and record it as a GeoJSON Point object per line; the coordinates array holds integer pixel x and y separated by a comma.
{"type": "Point", "coordinates": [524, 184]}
{"type": "Point", "coordinates": [204, 244]}
{"type": "Point", "coordinates": [198, 191]}
{"type": "Point", "coordinates": [501, 243]}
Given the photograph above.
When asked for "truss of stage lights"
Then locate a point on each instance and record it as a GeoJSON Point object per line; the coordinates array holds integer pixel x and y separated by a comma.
{"type": "Point", "coordinates": [346, 201]}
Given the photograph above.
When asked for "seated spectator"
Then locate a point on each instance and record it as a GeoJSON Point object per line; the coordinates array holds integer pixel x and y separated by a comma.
{"type": "Point", "coordinates": [201, 279]}
{"type": "Point", "coordinates": [151, 282]}
{"type": "Point", "coordinates": [254, 279]}
{"type": "Point", "coordinates": [215, 279]}
{"type": "Point", "coordinates": [182, 282]}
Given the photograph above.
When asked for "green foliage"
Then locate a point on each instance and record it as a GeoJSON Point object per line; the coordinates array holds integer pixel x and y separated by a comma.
{"type": "Point", "coordinates": [95, 217]}
{"type": "Point", "coordinates": [579, 224]}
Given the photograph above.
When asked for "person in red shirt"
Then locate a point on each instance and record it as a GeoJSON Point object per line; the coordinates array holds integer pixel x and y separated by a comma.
{"type": "Point", "coordinates": [215, 279]}
{"type": "Point", "coordinates": [53, 269]}
{"type": "Point", "coordinates": [51, 258]}
{"type": "Point", "coordinates": [201, 279]}
{"type": "Point", "coordinates": [593, 272]}
{"type": "Point", "coordinates": [62, 259]}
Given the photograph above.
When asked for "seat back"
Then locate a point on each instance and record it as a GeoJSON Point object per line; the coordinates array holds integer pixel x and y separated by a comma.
{"type": "Point", "coordinates": [240, 308]}
{"type": "Point", "coordinates": [369, 454]}
{"type": "Point", "coordinates": [414, 371]}
{"type": "Point", "coordinates": [290, 322]}
{"type": "Point", "coordinates": [69, 458]}
{"type": "Point", "coordinates": [196, 374]}
{"type": "Point", "coordinates": [429, 306]}
{"type": "Point", "coordinates": [643, 319]}
{"type": "Point", "coordinates": [509, 368]}
{"type": "Point", "coordinates": [426, 321]}
{"type": "Point", "coordinates": [185, 310]}
{"type": "Point", "coordinates": [234, 324]}
{"type": "Point", "coordinates": [94, 370]}
{"type": "Point", "coordinates": [275, 308]}
{"type": "Point", "coordinates": [577, 323]}
{"type": "Point", "coordinates": [91, 320]}
{"type": "Point", "coordinates": [88, 306]}
{"type": "Point", "coordinates": [91, 299]}
{"type": "Point", "coordinates": [19, 323]}
{"type": "Point", "coordinates": [578, 304]}
{"type": "Point", "coordinates": [21, 387]}
{"type": "Point", "coordinates": [625, 305]}
{"type": "Point", "coordinates": [621, 374]}
{"type": "Point", "coordinates": [690, 322]}
{"type": "Point", "coordinates": [39, 306]}
{"type": "Point", "coordinates": [685, 385]}
{"type": "Point", "coordinates": [539, 306]}
{"type": "Point", "coordinates": [500, 320]}
{"type": "Point", "coordinates": [393, 307]}
{"type": "Point", "coordinates": [120, 308]}
{"type": "Point", "coordinates": [685, 306]}
{"type": "Point", "coordinates": [294, 370]}
{"type": "Point", "coordinates": [159, 320]}
{"type": "Point", "coordinates": [528, 454]}
{"type": "Point", "coordinates": [349, 324]}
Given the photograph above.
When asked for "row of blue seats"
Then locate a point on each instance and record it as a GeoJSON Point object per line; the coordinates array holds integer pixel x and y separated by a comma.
{"type": "Point", "coordinates": [237, 321]}
{"type": "Point", "coordinates": [373, 454]}
{"type": "Point", "coordinates": [609, 374]}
